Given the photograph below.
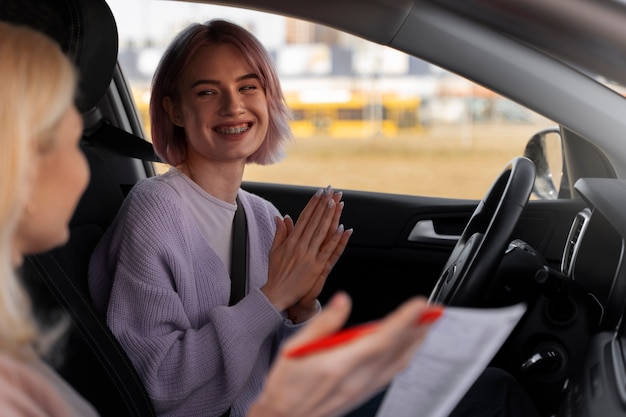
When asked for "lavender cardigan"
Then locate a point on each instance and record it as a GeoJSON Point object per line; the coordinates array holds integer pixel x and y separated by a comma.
{"type": "Point", "coordinates": [168, 303]}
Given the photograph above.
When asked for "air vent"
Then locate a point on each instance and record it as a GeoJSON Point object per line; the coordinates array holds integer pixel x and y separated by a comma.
{"type": "Point", "coordinates": [573, 239]}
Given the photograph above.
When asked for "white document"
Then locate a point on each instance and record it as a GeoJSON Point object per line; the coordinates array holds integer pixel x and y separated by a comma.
{"type": "Point", "coordinates": [456, 350]}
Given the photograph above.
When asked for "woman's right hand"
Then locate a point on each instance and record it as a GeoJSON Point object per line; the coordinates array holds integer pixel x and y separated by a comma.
{"type": "Point", "coordinates": [331, 382]}
{"type": "Point", "coordinates": [303, 254]}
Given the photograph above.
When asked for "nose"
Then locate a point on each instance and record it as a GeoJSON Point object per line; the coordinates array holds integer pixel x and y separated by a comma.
{"type": "Point", "coordinates": [232, 104]}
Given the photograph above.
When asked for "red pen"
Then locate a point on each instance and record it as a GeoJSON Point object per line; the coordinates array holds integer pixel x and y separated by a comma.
{"type": "Point", "coordinates": [431, 315]}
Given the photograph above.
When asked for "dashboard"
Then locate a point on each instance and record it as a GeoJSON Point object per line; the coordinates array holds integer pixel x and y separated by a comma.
{"type": "Point", "coordinates": [593, 253]}
{"type": "Point", "coordinates": [593, 256]}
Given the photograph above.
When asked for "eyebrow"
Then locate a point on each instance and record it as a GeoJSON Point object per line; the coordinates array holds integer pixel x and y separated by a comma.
{"type": "Point", "coordinates": [216, 82]}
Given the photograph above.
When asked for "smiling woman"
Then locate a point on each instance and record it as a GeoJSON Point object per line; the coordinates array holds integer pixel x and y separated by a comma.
{"type": "Point", "coordinates": [216, 105]}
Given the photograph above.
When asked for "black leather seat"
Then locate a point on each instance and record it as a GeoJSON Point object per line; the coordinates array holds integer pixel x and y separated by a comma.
{"type": "Point", "coordinates": [92, 360]}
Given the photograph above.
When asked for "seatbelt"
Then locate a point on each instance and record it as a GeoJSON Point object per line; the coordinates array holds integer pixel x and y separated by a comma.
{"type": "Point", "coordinates": [73, 295]}
{"type": "Point", "coordinates": [118, 142]}
{"type": "Point", "coordinates": [238, 261]}
{"type": "Point", "coordinates": [239, 257]}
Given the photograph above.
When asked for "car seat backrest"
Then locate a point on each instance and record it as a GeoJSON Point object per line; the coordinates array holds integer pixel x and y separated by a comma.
{"type": "Point", "coordinates": [92, 361]}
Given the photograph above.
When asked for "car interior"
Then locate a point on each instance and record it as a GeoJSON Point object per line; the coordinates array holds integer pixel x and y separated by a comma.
{"type": "Point", "coordinates": [562, 257]}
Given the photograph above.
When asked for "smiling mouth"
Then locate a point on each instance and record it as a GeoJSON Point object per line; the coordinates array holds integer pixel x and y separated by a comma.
{"type": "Point", "coordinates": [233, 130]}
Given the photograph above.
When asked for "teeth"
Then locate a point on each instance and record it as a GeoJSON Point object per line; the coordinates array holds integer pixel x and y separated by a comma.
{"type": "Point", "coordinates": [232, 130]}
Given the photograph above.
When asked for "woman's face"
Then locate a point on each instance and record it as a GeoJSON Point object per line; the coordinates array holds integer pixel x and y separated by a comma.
{"type": "Point", "coordinates": [222, 106]}
{"type": "Point", "coordinates": [60, 178]}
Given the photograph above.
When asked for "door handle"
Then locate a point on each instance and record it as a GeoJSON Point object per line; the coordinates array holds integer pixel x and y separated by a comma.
{"type": "Point", "coordinates": [424, 232]}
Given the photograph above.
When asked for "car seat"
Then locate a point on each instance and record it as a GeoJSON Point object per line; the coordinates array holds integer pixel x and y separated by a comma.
{"type": "Point", "coordinates": [92, 359]}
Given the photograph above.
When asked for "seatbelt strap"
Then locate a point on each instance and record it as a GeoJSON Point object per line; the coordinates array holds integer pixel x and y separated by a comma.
{"type": "Point", "coordinates": [73, 297]}
{"type": "Point", "coordinates": [118, 142]}
{"type": "Point", "coordinates": [238, 261]}
{"type": "Point", "coordinates": [239, 257]}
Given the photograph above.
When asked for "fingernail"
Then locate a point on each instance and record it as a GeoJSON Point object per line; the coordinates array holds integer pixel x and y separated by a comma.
{"type": "Point", "coordinates": [331, 203]}
{"type": "Point", "coordinates": [328, 189]}
{"type": "Point", "coordinates": [319, 192]}
{"type": "Point", "coordinates": [341, 204]}
{"type": "Point", "coordinates": [286, 217]}
{"type": "Point", "coordinates": [339, 194]}
{"type": "Point", "coordinates": [340, 229]}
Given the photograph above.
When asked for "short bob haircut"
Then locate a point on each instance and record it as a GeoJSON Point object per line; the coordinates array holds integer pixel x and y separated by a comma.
{"type": "Point", "coordinates": [169, 140]}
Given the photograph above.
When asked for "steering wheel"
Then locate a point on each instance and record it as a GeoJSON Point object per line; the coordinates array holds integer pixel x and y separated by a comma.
{"type": "Point", "coordinates": [467, 275]}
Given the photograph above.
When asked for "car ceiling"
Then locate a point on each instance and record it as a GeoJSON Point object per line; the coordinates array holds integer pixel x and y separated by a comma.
{"type": "Point", "coordinates": [487, 41]}
{"type": "Point", "coordinates": [589, 34]}
{"type": "Point", "coordinates": [555, 26]}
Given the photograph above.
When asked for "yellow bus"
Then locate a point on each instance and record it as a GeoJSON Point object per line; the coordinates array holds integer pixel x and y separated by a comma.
{"type": "Point", "coordinates": [358, 117]}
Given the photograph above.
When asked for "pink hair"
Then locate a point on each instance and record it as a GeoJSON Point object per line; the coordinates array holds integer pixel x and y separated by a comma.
{"type": "Point", "coordinates": [169, 140]}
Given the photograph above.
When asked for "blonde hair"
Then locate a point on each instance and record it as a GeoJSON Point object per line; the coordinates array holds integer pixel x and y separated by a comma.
{"type": "Point", "coordinates": [38, 84]}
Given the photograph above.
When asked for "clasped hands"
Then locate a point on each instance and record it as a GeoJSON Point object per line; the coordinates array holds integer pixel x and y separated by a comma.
{"type": "Point", "coordinates": [304, 253]}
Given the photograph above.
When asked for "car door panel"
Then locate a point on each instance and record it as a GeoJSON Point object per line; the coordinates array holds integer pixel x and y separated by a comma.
{"type": "Point", "coordinates": [387, 261]}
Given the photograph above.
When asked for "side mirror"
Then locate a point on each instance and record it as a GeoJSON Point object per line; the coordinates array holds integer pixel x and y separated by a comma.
{"type": "Point", "coordinates": [546, 151]}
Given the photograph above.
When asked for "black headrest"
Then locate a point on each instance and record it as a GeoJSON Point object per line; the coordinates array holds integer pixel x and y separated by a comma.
{"type": "Point", "coordinates": [86, 31]}
{"type": "Point", "coordinates": [102, 198]}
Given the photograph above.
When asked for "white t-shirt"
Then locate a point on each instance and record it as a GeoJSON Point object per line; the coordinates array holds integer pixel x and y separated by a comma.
{"type": "Point", "coordinates": [214, 216]}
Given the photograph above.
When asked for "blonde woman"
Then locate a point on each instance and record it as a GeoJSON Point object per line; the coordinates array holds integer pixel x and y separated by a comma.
{"type": "Point", "coordinates": [40, 130]}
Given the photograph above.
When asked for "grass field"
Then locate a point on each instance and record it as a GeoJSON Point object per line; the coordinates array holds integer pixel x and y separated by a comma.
{"type": "Point", "coordinates": [444, 161]}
